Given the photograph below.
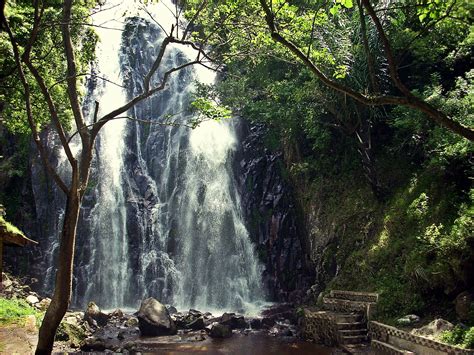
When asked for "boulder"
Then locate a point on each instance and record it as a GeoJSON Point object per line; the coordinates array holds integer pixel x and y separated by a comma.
{"type": "Point", "coordinates": [117, 314]}
{"type": "Point", "coordinates": [196, 324]}
{"type": "Point", "coordinates": [463, 305]}
{"type": "Point", "coordinates": [32, 299]}
{"type": "Point", "coordinates": [195, 313]}
{"type": "Point", "coordinates": [43, 304]}
{"type": "Point", "coordinates": [408, 319]}
{"type": "Point", "coordinates": [154, 319]}
{"type": "Point", "coordinates": [94, 316]}
{"type": "Point", "coordinates": [233, 321]}
{"type": "Point", "coordinates": [220, 331]}
{"type": "Point", "coordinates": [69, 330]}
{"type": "Point", "coordinates": [434, 329]}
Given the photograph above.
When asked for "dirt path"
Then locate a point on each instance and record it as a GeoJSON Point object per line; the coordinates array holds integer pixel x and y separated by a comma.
{"type": "Point", "coordinates": [17, 340]}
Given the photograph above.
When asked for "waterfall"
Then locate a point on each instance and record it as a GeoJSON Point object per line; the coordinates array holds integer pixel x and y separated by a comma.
{"type": "Point", "coordinates": [162, 215]}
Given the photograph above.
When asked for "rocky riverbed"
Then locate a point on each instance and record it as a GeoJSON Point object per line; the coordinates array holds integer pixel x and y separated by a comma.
{"type": "Point", "coordinates": [157, 327]}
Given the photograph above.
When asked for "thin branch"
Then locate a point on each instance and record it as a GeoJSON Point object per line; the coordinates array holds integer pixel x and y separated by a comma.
{"type": "Point", "coordinates": [92, 75]}
{"type": "Point", "coordinates": [157, 62]}
{"type": "Point", "coordinates": [71, 75]}
{"type": "Point", "coordinates": [147, 93]}
{"type": "Point", "coordinates": [368, 54]}
{"type": "Point", "coordinates": [155, 21]}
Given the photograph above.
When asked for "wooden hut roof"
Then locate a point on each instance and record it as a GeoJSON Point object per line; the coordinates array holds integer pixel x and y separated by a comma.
{"type": "Point", "coordinates": [11, 235]}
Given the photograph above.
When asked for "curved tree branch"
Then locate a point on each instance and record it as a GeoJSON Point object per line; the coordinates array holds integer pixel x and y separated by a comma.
{"type": "Point", "coordinates": [408, 99]}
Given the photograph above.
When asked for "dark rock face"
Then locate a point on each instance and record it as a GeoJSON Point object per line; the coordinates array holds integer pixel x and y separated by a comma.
{"type": "Point", "coordinates": [154, 319]}
{"type": "Point", "coordinates": [220, 331]}
{"type": "Point", "coordinates": [463, 305]}
{"type": "Point", "coordinates": [272, 216]}
{"type": "Point", "coordinates": [197, 324]}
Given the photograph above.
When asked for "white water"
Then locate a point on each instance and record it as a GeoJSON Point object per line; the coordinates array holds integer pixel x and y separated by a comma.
{"type": "Point", "coordinates": [166, 219]}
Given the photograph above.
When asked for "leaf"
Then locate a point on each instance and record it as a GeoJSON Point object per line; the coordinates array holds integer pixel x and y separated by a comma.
{"type": "Point", "coordinates": [335, 9]}
{"type": "Point", "coordinates": [347, 4]}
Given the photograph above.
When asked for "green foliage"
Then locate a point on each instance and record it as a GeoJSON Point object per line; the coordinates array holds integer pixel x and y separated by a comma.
{"type": "Point", "coordinates": [15, 311]}
{"type": "Point", "coordinates": [459, 336]}
{"type": "Point", "coordinates": [208, 110]}
{"type": "Point", "coordinates": [48, 57]}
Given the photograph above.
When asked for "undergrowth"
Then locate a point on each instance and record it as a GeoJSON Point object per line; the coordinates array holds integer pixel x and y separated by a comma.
{"type": "Point", "coordinates": [15, 311]}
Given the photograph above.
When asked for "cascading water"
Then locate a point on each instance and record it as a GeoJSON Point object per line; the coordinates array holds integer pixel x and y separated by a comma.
{"type": "Point", "coordinates": [162, 217]}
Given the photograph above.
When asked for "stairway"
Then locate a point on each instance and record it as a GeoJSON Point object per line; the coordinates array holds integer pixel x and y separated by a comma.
{"type": "Point", "coordinates": [352, 310]}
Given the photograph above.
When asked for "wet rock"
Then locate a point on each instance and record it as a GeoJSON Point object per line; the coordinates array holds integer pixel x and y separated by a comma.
{"type": "Point", "coordinates": [94, 316]}
{"type": "Point", "coordinates": [32, 300]}
{"type": "Point", "coordinates": [267, 322]}
{"type": "Point", "coordinates": [212, 320]}
{"type": "Point", "coordinates": [220, 331]}
{"type": "Point", "coordinates": [93, 344]}
{"type": "Point", "coordinates": [233, 321]}
{"type": "Point", "coordinates": [121, 335]}
{"type": "Point", "coordinates": [117, 314]}
{"type": "Point", "coordinates": [433, 329]}
{"type": "Point", "coordinates": [195, 313]}
{"type": "Point", "coordinates": [154, 319]}
{"type": "Point", "coordinates": [408, 319]}
{"type": "Point", "coordinates": [197, 324]}
{"type": "Point", "coordinates": [131, 322]}
{"type": "Point", "coordinates": [172, 310]}
{"type": "Point", "coordinates": [256, 323]}
{"type": "Point", "coordinates": [281, 312]}
{"type": "Point", "coordinates": [180, 320]}
{"type": "Point", "coordinates": [463, 305]}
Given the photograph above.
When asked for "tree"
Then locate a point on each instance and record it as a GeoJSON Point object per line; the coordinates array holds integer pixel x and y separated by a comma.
{"type": "Point", "coordinates": [41, 98]}
{"type": "Point", "coordinates": [295, 25]}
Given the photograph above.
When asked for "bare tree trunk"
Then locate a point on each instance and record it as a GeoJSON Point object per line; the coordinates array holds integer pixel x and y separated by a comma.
{"type": "Point", "coordinates": [363, 137]}
{"type": "Point", "coordinates": [63, 285]}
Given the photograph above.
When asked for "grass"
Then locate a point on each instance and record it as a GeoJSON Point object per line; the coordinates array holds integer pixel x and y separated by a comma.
{"type": "Point", "coordinates": [14, 311]}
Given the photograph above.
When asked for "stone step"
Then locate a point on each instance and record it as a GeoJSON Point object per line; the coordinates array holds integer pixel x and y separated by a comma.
{"type": "Point", "coordinates": [341, 305]}
{"type": "Point", "coordinates": [387, 349]}
{"type": "Point", "coordinates": [349, 317]}
{"type": "Point", "coordinates": [354, 339]}
{"type": "Point", "coordinates": [351, 325]}
{"type": "Point", "coordinates": [349, 332]}
{"type": "Point", "coordinates": [354, 296]}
